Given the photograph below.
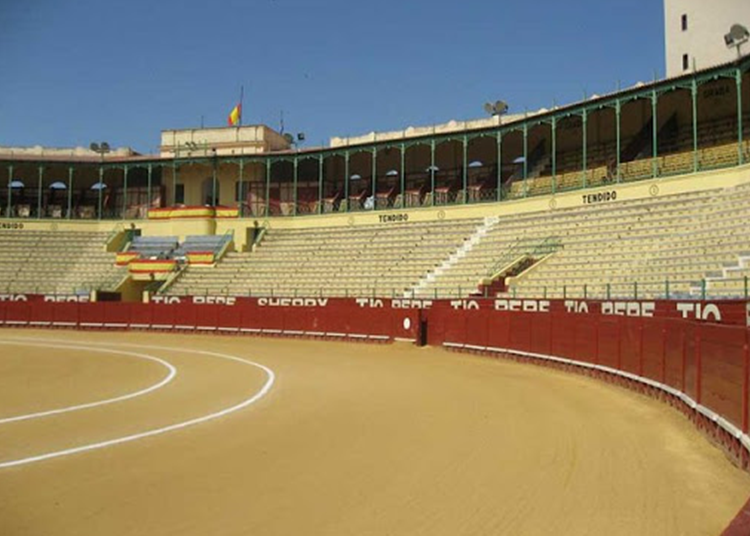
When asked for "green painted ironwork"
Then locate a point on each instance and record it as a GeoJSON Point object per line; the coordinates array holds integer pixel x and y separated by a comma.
{"type": "Point", "coordinates": [70, 192]}
{"type": "Point", "coordinates": [39, 193]}
{"type": "Point", "coordinates": [10, 191]}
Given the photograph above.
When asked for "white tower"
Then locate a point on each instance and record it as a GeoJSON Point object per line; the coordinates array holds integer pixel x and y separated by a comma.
{"type": "Point", "coordinates": [694, 32]}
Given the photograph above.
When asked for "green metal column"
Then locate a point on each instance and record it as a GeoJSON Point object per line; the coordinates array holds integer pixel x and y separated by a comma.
{"type": "Point", "coordinates": [39, 194]}
{"type": "Point", "coordinates": [499, 193]}
{"type": "Point", "coordinates": [694, 95]}
{"type": "Point", "coordinates": [125, 190]}
{"type": "Point", "coordinates": [465, 178]}
{"type": "Point", "coordinates": [240, 194]}
{"type": "Point", "coordinates": [320, 184]}
{"type": "Point", "coordinates": [740, 141]}
{"type": "Point", "coordinates": [525, 158]}
{"type": "Point", "coordinates": [654, 133]}
{"type": "Point", "coordinates": [70, 193]}
{"type": "Point", "coordinates": [214, 164]}
{"type": "Point", "coordinates": [403, 175]}
{"type": "Point", "coordinates": [554, 154]}
{"type": "Point", "coordinates": [10, 191]}
{"type": "Point", "coordinates": [374, 178]}
{"type": "Point", "coordinates": [346, 180]}
{"type": "Point", "coordinates": [585, 136]}
{"type": "Point", "coordinates": [432, 171]}
{"type": "Point", "coordinates": [294, 186]}
{"type": "Point", "coordinates": [174, 182]}
{"type": "Point", "coordinates": [101, 192]}
{"type": "Point", "coordinates": [618, 138]}
{"type": "Point", "coordinates": [148, 188]}
{"type": "Point", "coordinates": [268, 187]}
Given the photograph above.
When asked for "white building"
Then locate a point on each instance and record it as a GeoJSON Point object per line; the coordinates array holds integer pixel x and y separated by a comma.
{"type": "Point", "coordinates": [694, 32]}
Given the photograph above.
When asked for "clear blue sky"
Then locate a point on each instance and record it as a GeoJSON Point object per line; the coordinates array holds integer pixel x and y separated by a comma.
{"type": "Point", "coordinates": [76, 71]}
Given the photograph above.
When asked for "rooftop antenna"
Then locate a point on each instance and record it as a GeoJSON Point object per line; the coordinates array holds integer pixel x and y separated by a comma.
{"type": "Point", "coordinates": [738, 35]}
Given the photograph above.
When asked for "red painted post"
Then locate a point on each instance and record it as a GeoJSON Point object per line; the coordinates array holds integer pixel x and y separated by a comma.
{"type": "Point", "coordinates": [684, 360]}
{"type": "Point", "coordinates": [619, 344]}
{"type": "Point", "coordinates": [664, 354]}
{"type": "Point", "coordinates": [640, 347]}
{"type": "Point", "coordinates": [745, 381]}
{"type": "Point", "coordinates": [596, 339]}
{"type": "Point", "coordinates": [698, 367]}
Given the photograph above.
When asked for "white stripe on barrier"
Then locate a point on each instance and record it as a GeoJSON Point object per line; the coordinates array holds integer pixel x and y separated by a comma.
{"type": "Point", "coordinates": [401, 339]}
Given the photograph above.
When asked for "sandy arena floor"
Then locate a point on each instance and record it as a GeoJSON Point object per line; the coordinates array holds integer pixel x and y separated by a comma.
{"type": "Point", "coordinates": [349, 440]}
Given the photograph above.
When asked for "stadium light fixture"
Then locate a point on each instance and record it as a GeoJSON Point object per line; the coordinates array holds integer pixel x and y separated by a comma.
{"type": "Point", "coordinates": [392, 173]}
{"type": "Point", "coordinates": [17, 184]}
{"type": "Point", "coordinates": [476, 164]}
{"type": "Point", "coordinates": [496, 108]}
{"type": "Point", "coordinates": [58, 186]}
{"type": "Point", "coordinates": [101, 148]}
{"type": "Point", "coordinates": [355, 177]}
{"type": "Point", "coordinates": [432, 168]}
{"type": "Point", "coordinates": [738, 35]}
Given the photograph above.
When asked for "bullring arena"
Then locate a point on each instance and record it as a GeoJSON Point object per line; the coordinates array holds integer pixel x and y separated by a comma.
{"type": "Point", "coordinates": [525, 324]}
{"type": "Point", "coordinates": [349, 438]}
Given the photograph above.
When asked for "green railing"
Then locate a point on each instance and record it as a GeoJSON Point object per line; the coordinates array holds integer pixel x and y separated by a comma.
{"type": "Point", "coordinates": [525, 247]}
{"type": "Point", "coordinates": [705, 289]}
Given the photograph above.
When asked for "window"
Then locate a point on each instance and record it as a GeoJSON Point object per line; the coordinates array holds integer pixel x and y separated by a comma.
{"type": "Point", "coordinates": [179, 194]}
{"type": "Point", "coordinates": [684, 23]}
{"type": "Point", "coordinates": [685, 62]}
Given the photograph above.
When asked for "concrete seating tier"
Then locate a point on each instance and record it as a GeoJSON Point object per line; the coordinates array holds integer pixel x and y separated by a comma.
{"type": "Point", "coordinates": [337, 261]}
{"type": "Point", "coordinates": [56, 262]}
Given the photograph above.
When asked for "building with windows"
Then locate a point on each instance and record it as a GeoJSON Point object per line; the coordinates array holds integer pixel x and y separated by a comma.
{"type": "Point", "coordinates": [694, 33]}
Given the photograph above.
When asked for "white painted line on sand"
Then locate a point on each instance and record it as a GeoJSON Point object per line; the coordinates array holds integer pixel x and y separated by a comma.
{"type": "Point", "coordinates": [172, 372]}
{"type": "Point", "coordinates": [271, 378]}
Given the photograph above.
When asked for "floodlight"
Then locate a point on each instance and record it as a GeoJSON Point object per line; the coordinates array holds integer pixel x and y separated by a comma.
{"type": "Point", "coordinates": [289, 138]}
{"type": "Point", "coordinates": [476, 164]}
{"type": "Point", "coordinates": [58, 186]}
{"type": "Point", "coordinates": [496, 108]}
{"type": "Point", "coordinates": [738, 35]}
{"type": "Point", "coordinates": [17, 184]}
{"type": "Point", "coordinates": [432, 168]}
{"type": "Point", "coordinates": [355, 177]}
{"type": "Point", "coordinates": [94, 147]}
{"type": "Point", "coordinates": [300, 136]}
{"type": "Point", "coordinates": [98, 186]}
{"type": "Point", "coordinates": [392, 173]}
{"type": "Point", "coordinates": [105, 147]}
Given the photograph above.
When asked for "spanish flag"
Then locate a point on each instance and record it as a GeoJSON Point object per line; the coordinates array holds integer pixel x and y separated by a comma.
{"type": "Point", "coordinates": [235, 115]}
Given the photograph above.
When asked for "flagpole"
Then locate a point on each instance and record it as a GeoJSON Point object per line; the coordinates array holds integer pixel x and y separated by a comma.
{"type": "Point", "coordinates": [242, 104]}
